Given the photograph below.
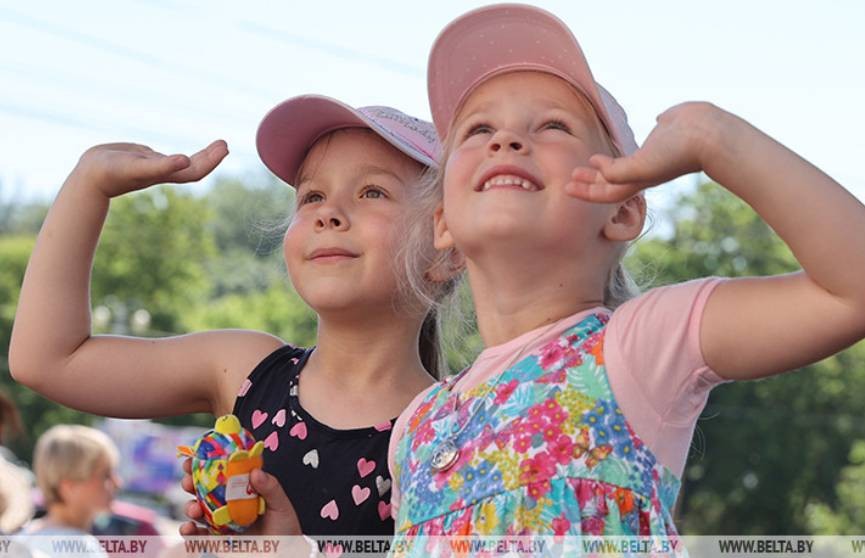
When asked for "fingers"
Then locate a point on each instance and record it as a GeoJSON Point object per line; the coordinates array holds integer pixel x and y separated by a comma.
{"type": "Point", "coordinates": [621, 170]}
{"type": "Point", "coordinates": [193, 510]}
{"type": "Point", "coordinates": [268, 486]}
{"type": "Point", "coordinates": [591, 185]}
{"type": "Point", "coordinates": [190, 529]}
{"type": "Point", "coordinates": [201, 164]}
{"type": "Point", "coordinates": [195, 513]}
{"type": "Point", "coordinates": [280, 517]}
{"type": "Point", "coordinates": [187, 465]}
{"type": "Point", "coordinates": [151, 168]}
{"type": "Point", "coordinates": [187, 485]}
{"type": "Point", "coordinates": [602, 193]}
{"type": "Point", "coordinates": [610, 180]}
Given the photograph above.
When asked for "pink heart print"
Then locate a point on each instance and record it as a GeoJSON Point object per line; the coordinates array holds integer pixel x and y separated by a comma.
{"type": "Point", "coordinates": [298, 430]}
{"type": "Point", "coordinates": [365, 467]}
{"type": "Point", "coordinates": [383, 510]}
{"type": "Point", "coordinates": [359, 495]}
{"type": "Point", "coordinates": [258, 417]}
{"type": "Point", "coordinates": [333, 550]}
{"type": "Point", "coordinates": [272, 441]}
{"type": "Point", "coordinates": [383, 427]}
{"type": "Point", "coordinates": [279, 418]}
{"type": "Point", "coordinates": [244, 387]}
{"type": "Point", "coordinates": [330, 511]}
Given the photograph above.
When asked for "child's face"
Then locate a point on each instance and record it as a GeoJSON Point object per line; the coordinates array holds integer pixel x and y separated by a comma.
{"type": "Point", "coordinates": [94, 494]}
{"type": "Point", "coordinates": [341, 246]}
{"type": "Point", "coordinates": [515, 143]}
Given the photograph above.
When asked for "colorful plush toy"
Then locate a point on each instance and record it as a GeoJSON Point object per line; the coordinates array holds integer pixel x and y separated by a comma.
{"type": "Point", "coordinates": [221, 461]}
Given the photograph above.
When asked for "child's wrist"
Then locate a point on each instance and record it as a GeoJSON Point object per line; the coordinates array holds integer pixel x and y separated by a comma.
{"type": "Point", "coordinates": [717, 132]}
{"type": "Point", "coordinates": [83, 181]}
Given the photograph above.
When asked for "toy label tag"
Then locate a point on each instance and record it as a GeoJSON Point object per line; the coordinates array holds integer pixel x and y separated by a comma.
{"type": "Point", "coordinates": [239, 488]}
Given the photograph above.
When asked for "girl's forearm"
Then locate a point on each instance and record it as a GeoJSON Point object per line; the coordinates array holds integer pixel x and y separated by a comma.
{"type": "Point", "coordinates": [821, 222]}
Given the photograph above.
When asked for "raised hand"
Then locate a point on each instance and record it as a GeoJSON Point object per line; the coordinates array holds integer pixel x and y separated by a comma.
{"type": "Point", "coordinates": [117, 168]}
{"type": "Point", "coordinates": [279, 516]}
{"type": "Point", "coordinates": [674, 147]}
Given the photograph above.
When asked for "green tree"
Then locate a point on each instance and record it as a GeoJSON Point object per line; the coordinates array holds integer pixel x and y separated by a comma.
{"type": "Point", "coordinates": [152, 256]}
{"type": "Point", "coordinates": [848, 517]}
{"type": "Point", "coordinates": [277, 310]}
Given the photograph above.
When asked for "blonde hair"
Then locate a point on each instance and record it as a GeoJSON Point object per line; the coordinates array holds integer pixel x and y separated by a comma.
{"type": "Point", "coordinates": [620, 286]}
{"type": "Point", "coordinates": [70, 452]}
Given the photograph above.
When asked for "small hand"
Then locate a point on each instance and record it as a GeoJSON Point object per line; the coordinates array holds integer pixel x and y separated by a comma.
{"type": "Point", "coordinates": [279, 516]}
{"type": "Point", "coordinates": [672, 149]}
{"type": "Point", "coordinates": [118, 168]}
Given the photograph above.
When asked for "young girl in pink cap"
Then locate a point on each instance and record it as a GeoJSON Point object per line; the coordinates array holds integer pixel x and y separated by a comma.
{"type": "Point", "coordinates": [577, 417]}
{"type": "Point", "coordinates": [324, 414]}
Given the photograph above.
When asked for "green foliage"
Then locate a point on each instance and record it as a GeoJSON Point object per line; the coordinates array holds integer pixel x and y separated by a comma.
{"type": "Point", "coordinates": [848, 517]}
{"type": "Point", "coordinates": [277, 310]}
{"type": "Point", "coordinates": [20, 218]}
{"type": "Point", "coordinates": [249, 217]}
{"type": "Point", "coordinates": [152, 255]}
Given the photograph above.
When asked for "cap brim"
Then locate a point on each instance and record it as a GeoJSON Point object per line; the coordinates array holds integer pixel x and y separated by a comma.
{"type": "Point", "coordinates": [504, 38]}
{"type": "Point", "coordinates": [288, 131]}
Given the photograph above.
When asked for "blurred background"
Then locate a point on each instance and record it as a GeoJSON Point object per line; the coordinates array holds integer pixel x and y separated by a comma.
{"type": "Point", "coordinates": [780, 456]}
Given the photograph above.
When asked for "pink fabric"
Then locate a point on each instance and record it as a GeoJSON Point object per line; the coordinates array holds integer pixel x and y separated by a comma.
{"type": "Point", "coordinates": [654, 363]}
{"type": "Point", "coordinates": [492, 40]}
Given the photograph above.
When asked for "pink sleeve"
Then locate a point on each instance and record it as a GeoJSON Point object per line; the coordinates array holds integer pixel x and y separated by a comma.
{"type": "Point", "coordinates": [395, 436]}
{"type": "Point", "coordinates": [656, 365]}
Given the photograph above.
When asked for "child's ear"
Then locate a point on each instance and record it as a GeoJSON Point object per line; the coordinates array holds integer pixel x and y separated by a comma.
{"type": "Point", "coordinates": [442, 239]}
{"type": "Point", "coordinates": [627, 222]}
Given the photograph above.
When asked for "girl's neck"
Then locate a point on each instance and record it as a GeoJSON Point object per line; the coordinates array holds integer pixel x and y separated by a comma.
{"type": "Point", "coordinates": [518, 299]}
{"type": "Point", "coordinates": [378, 348]}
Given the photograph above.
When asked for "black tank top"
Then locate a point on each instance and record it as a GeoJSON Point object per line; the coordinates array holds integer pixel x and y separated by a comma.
{"type": "Point", "coordinates": [337, 480]}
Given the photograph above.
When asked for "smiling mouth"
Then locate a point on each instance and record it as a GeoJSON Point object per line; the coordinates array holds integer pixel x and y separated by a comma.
{"type": "Point", "coordinates": [509, 181]}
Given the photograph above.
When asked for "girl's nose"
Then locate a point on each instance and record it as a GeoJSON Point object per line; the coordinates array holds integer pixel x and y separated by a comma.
{"type": "Point", "coordinates": [330, 218]}
{"type": "Point", "coordinates": [505, 139]}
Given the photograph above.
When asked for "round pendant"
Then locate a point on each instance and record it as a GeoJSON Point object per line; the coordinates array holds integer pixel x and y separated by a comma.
{"type": "Point", "coordinates": [445, 456]}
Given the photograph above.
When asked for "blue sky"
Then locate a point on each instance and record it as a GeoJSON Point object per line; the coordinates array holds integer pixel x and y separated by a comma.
{"type": "Point", "coordinates": [176, 74]}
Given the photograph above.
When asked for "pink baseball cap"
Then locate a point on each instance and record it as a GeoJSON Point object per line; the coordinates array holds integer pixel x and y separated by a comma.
{"type": "Point", "coordinates": [287, 132]}
{"type": "Point", "coordinates": [504, 38]}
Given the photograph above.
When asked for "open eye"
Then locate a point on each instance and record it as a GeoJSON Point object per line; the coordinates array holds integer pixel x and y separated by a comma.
{"type": "Point", "coordinates": [310, 197]}
{"type": "Point", "coordinates": [373, 192]}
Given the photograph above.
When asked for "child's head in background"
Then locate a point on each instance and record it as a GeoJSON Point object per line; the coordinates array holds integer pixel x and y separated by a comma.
{"type": "Point", "coordinates": [75, 468]}
{"type": "Point", "coordinates": [516, 103]}
{"type": "Point", "coordinates": [354, 171]}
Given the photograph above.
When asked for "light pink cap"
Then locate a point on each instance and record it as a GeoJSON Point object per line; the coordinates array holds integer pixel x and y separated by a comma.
{"type": "Point", "coordinates": [289, 130]}
{"type": "Point", "coordinates": [504, 38]}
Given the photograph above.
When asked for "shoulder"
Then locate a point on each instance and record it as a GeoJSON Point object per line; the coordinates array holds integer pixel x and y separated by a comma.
{"type": "Point", "coordinates": [236, 354]}
{"type": "Point", "coordinates": [653, 349]}
{"type": "Point", "coordinates": [667, 302]}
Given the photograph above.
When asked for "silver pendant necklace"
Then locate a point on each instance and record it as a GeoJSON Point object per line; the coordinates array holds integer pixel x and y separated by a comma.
{"type": "Point", "coordinates": [447, 452]}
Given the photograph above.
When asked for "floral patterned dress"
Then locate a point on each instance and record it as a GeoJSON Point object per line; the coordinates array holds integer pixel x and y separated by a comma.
{"type": "Point", "coordinates": [546, 451]}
